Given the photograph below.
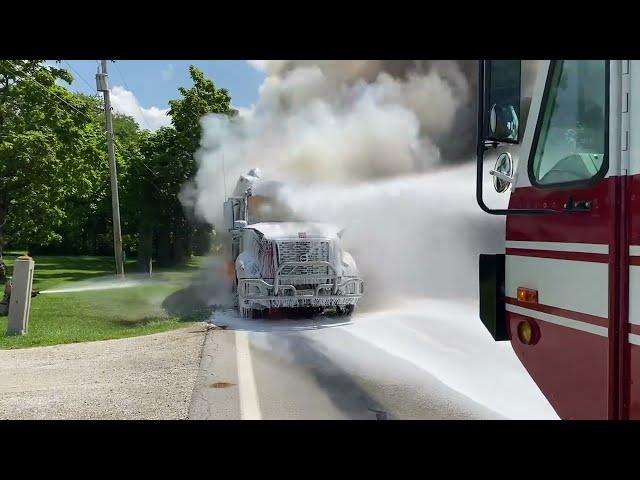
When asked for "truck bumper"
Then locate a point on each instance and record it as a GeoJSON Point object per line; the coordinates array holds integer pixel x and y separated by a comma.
{"type": "Point", "coordinates": [258, 294]}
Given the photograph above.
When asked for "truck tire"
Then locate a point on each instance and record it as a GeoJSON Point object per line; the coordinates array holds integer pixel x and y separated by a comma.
{"type": "Point", "coordinates": [251, 313]}
{"type": "Point", "coordinates": [345, 310]}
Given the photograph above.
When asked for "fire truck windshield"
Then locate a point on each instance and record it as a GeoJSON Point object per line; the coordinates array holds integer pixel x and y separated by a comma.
{"type": "Point", "coordinates": [571, 145]}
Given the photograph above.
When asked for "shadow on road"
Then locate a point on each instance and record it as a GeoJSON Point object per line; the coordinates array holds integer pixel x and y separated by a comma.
{"type": "Point", "coordinates": [343, 389]}
{"type": "Point", "coordinates": [231, 319]}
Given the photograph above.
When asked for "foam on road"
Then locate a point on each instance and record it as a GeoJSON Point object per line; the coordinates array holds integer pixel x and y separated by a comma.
{"type": "Point", "coordinates": [427, 358]}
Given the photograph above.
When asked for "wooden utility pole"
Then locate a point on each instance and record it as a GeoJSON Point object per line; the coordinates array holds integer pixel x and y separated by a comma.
{"type": "Point", "coordinates": [102, 84]}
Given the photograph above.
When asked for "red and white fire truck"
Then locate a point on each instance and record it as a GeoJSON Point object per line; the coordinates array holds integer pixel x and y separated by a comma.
{"type": "Point", "coordinates": [566, 292]}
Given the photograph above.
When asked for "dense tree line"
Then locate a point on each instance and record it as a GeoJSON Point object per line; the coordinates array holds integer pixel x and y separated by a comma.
{"type": "Point", "coordinates": [55, 192]}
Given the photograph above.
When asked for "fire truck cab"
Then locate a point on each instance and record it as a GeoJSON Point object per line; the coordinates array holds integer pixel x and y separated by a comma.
{"type": "Point", "coordinates": [566, 290]}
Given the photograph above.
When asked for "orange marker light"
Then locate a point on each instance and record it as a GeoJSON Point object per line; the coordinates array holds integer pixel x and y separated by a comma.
{"type": "Point", "coordinates": [527, 295]}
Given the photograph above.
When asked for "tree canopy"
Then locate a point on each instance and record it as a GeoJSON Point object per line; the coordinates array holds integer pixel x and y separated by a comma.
{"type": "Point", "coordinates": [54, 174]}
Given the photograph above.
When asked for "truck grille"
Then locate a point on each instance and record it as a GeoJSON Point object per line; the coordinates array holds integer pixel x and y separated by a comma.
{"type": "Point", "coordinates": [303, 251]}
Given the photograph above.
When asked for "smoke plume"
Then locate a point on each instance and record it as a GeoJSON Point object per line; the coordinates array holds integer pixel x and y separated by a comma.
{"type": "Point", "coordinates": [375, 146]}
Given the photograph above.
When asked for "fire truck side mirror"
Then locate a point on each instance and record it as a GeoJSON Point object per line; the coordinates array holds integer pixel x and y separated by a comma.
{"type": "Point", "coordinates": [501, 102]}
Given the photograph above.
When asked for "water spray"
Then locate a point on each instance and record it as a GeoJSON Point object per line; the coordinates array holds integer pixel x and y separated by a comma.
{"type": "Point", "coordinates": [102, 285]}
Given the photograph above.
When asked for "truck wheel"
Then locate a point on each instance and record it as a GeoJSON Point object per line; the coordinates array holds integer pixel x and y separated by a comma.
{"type": "Point", "coordinates": [251, 313]}
{"type": "Point", "coordinates": [345, 310]}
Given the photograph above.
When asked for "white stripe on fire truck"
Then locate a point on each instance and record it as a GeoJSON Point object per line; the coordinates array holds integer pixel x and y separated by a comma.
{"type": "Point", "coordinates": [562, 321]}
{"type": "Point", "coordinates": [635, 339]}
{"type": "Point", "coordinates": [572, 285]}
{"type": "Point", "coordinates": [634, 300]}
{"type": "Point", "coordinates": [560, 246]}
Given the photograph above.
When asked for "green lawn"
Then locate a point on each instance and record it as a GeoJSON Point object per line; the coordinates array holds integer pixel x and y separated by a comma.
{"type": "Point", "coordinates": [104, 314]}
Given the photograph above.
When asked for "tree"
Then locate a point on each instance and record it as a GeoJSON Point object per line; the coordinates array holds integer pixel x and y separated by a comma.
{"type": "Point", "coordinates": [49, 150]}
{"type": "Point", "coordinates": [54, 175]}
{"type": "Point", "coordinates": [197, 101]}
{"type": "Point", "coordinates": [89, 224]}
{"type": "Point", "coordinates": [166, 163]}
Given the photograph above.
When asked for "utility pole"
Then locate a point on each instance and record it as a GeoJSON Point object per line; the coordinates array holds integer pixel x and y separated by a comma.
{"type": "Point", "coordinates": [102, 84]}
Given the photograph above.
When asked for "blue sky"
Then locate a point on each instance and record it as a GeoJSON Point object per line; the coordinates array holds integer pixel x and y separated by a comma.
{"type": "Point", "coordinates": [142, 88]}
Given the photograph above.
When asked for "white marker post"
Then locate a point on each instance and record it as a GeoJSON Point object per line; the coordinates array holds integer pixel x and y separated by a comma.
{"type": "Point", "coordinates": [20, 301]}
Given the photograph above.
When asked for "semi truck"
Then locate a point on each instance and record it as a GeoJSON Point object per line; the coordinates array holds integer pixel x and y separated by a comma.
{"type": "Point", "coordinates": [276, 263]}
{"type": "Point", "coordinates": [566, 290]}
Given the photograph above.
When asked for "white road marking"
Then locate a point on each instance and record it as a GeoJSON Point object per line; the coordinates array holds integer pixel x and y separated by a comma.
{"type": "Point", "coordinates": [249, 403]}
{"type": "Point", "coordinates": [560, 246]}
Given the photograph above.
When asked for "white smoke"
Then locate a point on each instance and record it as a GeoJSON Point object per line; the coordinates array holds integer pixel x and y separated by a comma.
{"type": "Point", "coordinates": [412, 235]}
{"type": "Point", "coordinates": [370, 145]}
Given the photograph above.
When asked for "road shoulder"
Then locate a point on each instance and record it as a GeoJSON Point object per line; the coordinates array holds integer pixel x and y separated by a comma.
{"type": "Point", "coordinates": [146, 377]}
{"type": "Point", "coordinates": [216, 393]}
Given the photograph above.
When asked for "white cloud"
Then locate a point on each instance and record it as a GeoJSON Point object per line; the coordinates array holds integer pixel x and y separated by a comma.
{"type": "Point", "coordinates": [258, 64]}
{"type": "Point", "coordinates": [126, 103]}
{"type": "Point", "coordinates": [167, 73]}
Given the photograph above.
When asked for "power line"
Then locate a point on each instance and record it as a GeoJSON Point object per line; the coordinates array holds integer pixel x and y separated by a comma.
{"type": "Point", "coordinates": [80, 76]}
{"type": "Point", "coordinates": [26, 76]}
{"type": "Point", "coordinates": [29, 77]}
{"type": "Point", "coordinates": [142, 161]}
{"type": "Point", "coordinates": [141, 116]}
{"type": "Point", "coordinates": [144, 120]}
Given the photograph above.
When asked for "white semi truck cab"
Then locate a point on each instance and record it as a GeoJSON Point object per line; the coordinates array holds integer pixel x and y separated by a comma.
{"type": "Point", "coordinates": [285, 264]}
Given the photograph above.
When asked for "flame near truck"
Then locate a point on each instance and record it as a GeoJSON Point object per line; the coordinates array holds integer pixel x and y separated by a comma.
{"type": "Point", "coordinates": [278, 264]}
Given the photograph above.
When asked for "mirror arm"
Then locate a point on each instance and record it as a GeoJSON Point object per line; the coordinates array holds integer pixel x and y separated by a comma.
{"type": "Point", "coordinates": [482, 145]}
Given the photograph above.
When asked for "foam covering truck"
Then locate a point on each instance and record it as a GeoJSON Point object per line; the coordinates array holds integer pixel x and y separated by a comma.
{"type": "Point", "coordinates": [278, 264]}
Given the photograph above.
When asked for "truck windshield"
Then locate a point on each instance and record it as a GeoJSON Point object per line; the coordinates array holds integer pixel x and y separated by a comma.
{"type": "Point", "coordinates": [572, 138]}
{"type": "Point", "coordinates": [266, 209]}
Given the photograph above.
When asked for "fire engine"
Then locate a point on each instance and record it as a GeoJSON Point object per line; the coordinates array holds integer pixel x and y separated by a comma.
{"type": "Point", "coordinates": [566, 290]}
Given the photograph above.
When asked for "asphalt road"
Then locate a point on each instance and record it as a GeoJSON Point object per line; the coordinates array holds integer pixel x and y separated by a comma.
{"type": "Point", "coordinates": [427, 359]}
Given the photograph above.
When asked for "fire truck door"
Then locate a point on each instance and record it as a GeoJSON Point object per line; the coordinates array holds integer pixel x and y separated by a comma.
{"type": "Point", "coordinates": [561, 272]}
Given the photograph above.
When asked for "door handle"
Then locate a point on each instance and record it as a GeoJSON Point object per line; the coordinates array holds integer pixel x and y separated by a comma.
{"type": "Point", "coordinates": [577, 206]}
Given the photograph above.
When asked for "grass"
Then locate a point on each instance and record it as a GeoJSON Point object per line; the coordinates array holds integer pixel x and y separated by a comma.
{"type": "Point", "coordinates": [103, 314]}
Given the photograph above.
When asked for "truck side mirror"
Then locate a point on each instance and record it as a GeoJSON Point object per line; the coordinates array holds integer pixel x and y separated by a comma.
{"type": "Point", "coordinates": [499, 98]}
{"type": "Point", "coordinates": [502, 114]}
{"type": "Point", "coordinates": [501, 103]}
{"type": "Point", "coordinates": [228, 215]}
{"type": "Point", "coordinates": [240, 224]}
